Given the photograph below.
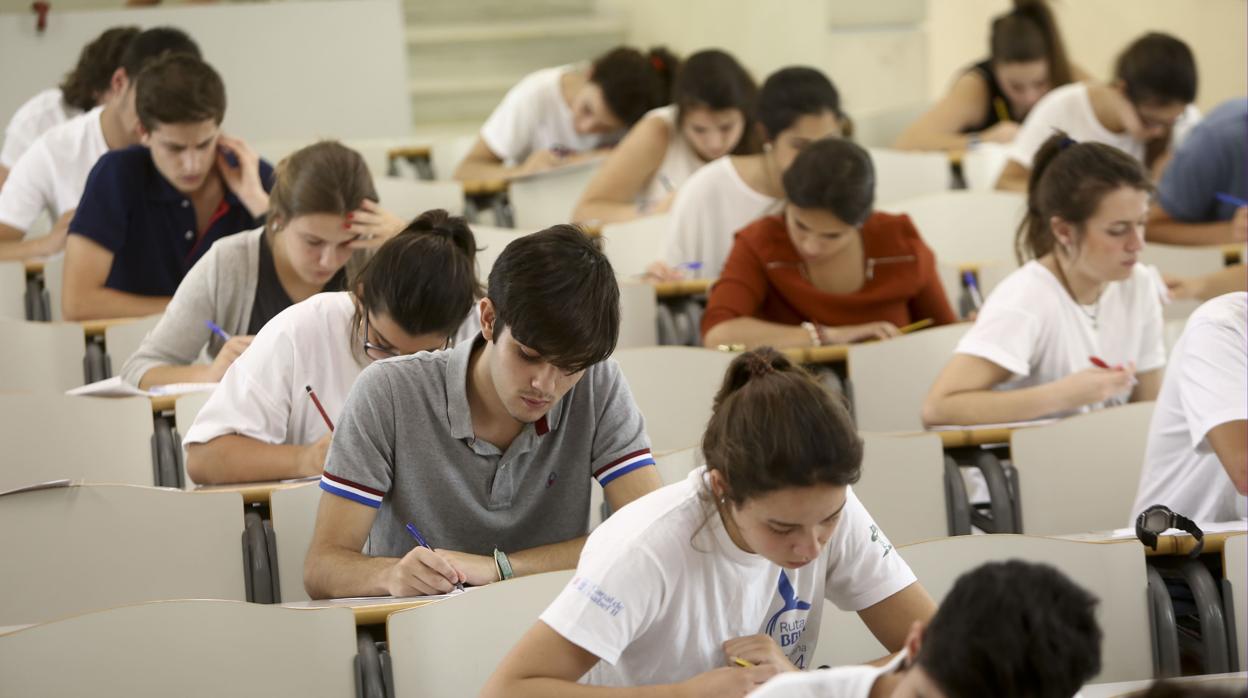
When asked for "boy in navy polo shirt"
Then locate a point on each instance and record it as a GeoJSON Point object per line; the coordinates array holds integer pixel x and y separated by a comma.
{"type": "Point", "coordinates": [149, 212]}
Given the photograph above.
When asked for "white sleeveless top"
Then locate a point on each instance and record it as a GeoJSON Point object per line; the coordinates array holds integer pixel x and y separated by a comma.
{"type": "Point", "coordinates": [679, 163]}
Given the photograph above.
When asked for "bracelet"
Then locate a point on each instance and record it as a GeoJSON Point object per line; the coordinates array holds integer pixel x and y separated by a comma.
{"type": "Point", "coordinates": [503, 565]}
{"type": "Point", "coordinates": [816, 340]}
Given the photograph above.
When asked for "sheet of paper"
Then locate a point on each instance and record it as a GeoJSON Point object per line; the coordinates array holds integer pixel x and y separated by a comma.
{"type": "Point", "coordinates": [1000, 425]}
{"type": "Point", "coordinates": [115, 387]}
{"type": "Point", "coordinates": [50, 484]}
{"type": "Point", "coordinates": [360, 601]}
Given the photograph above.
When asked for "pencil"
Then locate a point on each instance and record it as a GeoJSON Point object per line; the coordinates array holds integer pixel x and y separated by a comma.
{"type": "Point", "coordinates": [1003, 114]}
{"type": "Point", "coordinates": [315, 401]}
{"type": "Point", "coordinates": [741, 662]}
{"type": "Point", "coordinates": [916, 326]}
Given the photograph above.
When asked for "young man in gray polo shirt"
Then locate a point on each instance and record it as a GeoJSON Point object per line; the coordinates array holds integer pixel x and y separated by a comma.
{"type": "Point", "coordinates": [488, 449]}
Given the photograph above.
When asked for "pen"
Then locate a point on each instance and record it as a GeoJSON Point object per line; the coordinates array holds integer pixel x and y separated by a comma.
{"type": "Point", "coordinates": [315, 401]}
{"type": "Point", "coordinates": [1097, 362]}
{"type": "Point", "coordinates": [420, 540]}
{"type": "Point", "coordinates": [916, 326]}
{"type": "Point", "coordinates": [1232, 200]}
{"type": "Point", "coordinates": [741, 662]}
{"type": "Point", "coordinates": [691, 266]}
{"type": "Point", "coordinates": [667, 183]}
{"type": "Point", "coordinates": [972, 288]}
{"type": "Point", "coordinates": [216, 329]}
{"type": "Point", "coordinates": [1003, 114]}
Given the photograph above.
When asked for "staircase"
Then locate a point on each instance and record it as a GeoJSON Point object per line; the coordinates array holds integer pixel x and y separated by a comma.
{"type": "Point", "coordinates": [463, 55]}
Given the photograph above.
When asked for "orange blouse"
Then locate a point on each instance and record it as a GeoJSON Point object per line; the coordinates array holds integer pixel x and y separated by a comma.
{"type": "Point", "coordinates": [763, 279]}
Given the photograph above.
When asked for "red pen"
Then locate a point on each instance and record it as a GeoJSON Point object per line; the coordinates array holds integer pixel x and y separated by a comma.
{"type": "Point", "coordinates": [312, 394]}
{"type": "Point", "coordinates": [1096, 361]}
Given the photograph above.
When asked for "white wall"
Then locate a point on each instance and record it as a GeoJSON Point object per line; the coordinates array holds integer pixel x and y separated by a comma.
{"type": "Point", "coordinates": [292, 70]}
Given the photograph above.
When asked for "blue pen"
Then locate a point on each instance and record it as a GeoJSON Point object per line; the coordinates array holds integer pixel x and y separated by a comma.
{"type": "Point", "coordinates": [216, 329]}
{"type": "Point", "coordinates": [691, 266]}
{"type": "Point", "coordinates": [1232, 200]}
{"type": "Point", "coordinates": [420, 540]}
{"type": "Point", "coordinates": [972, 287]}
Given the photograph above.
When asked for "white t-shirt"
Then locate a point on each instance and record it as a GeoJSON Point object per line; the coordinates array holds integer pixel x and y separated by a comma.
{"type": "Point", "coordinates": [839, 682]}
{"type": "Point", "coordinates": [679, 162]}
{"type": "Point", "coordinates": [31, 120]}
{"type": "Point", "coordinates": [1031, 327]}
{"type": "Point", "coordinates": [1068, 108]}
{"type": "Point", "coordinates": [660, 587]}
{"type": "Point", "coordinates": [532, 117]}
{"type": "Point", "coordinates": [1206, 385]}
{"type": "Point", "coordinates": [52, 173]}
{"type": "Point", "coordinates": [708, 211]}
{"type": "Point", "coordinates": [263, 395]}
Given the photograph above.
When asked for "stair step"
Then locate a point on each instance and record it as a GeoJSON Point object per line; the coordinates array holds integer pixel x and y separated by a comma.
{"type": "Point", "coordinates": [440, 11]}
{"type": "Point", "coordinates": [517, 30]}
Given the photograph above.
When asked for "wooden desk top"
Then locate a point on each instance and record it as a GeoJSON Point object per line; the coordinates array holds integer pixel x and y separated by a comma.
{"type": "Point", "coordinates": [484, 187]}
{"type": "Point", "coordinates": [96, 328]}
{"type": "Point", "coordinates": [1233, 253]}
{"type": "Point", "coordinates": [33, 266]}
{"type": "Point", "coordinates": [971, 436]}
{"type": "Point", "coordinates": [690, 287]}
{"type": "Point", "coordinates": [409, 151]}
{"type": "Point", "coordinates": [163, 403]}
{"type": "Point", "coordinates": [255, 492]}
{"type": "Point", "coordinates": [1173, 544]}
{"type": "Point", "coordinates": [832, 354]}
{"type": "Point", "coordinates": [368, 611]}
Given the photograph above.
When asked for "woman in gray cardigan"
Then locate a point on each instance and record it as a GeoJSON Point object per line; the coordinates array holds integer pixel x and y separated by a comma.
{"type": "Point", "coordinates": [322, 220]}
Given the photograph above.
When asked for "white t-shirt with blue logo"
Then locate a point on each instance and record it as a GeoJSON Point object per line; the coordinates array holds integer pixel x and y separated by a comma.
{"type": "Point", "coordinates": [660, 587]}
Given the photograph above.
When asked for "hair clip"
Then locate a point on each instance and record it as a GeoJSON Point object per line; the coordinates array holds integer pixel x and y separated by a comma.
{"type": "Point", "coordinates": [657, 63]}
{"type": "Point", "coordinates": [1066, 142]}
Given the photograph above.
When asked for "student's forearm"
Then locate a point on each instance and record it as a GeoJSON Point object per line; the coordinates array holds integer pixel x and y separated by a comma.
{"type": "Point", "coordinates": [1014, 177]}
{"type": "Point", "coordinates": [335, 573]}
{"type": "Point", "coordinates": [993, 406]}
{"type": "Point", "coordinates": [476, 170]}
{"type": "Point", "coordinates": [233, 458]}
{"type": "Point", "coordinates": [105, 303]}
{"type": "Point", "coordinates": [22, 250]}
{"type": "Point", "coordinates": [604, 211]}
{"type": "Point", "coordinates": [164, 375]}
{"type": "Point", "coordinates": [1172, 232]}
{"type": "Point", "coordinates": [546, 558]}
{"type": "Point", "coordinates": [922, 139]}
{"type": "Point", "coordinates": [754, 333]}
{"type": "Point", "coordinates": [542, 687]}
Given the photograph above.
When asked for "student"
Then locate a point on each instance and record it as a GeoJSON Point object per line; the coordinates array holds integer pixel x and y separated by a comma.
{"type": "Point", "coordinates": [84, 88]}
{"type": "Point", "coordinates": [1211, 285]}
{"type": "Point", "coordinates": [734, 562]}
{"type": "Point", "coordinates": [149, 213]}
{"type": "Point", "coordinates": [488, 449]}
{"type": "Point", "coordinates": [1079, 326]}
{"type": "Point", "coordinates": [261, 423]}
{"type": "Point", "coordinates": [307, 244]}
{"type": "Point", "coordinates": [1197, 458]}
{"type": "Point", "coordinates": [52, 174]}
{"type": "Point", "coordinates": [711, 116]}
{"type": "Point", "coordinates": [1154, 86]}
{"type": "Point", "coordinates": [796, 107]}
{"type": "Point", "coordinates": [563, 115]}
{"type": "Point", "coordinates": [1026, 59]}
{"type": "Point", "coordinates": [828, 270]}
{"type": "Point", "coordinates": [1193, 206]}
{"type": "Point", "coordinates": [1007, 629]}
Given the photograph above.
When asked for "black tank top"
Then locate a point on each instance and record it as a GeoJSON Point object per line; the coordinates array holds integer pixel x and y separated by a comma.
{"type": "Point", "coordinates": [995, 96]}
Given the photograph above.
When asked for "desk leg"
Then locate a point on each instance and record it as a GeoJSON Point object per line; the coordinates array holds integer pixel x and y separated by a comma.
{"type": "Point", "coordinates": [93, 366]}
{"type": "Point", "coordinates": [957, 503]}
{"type": "Point", "coordinates": [1232, 637]}
{"type": "Point", "coordinates": [34, 300]}
{"type": "Point", "coordinates": [369, 680]}
{"type": "Point", "coordinates": [167, 453]}
{"type": "Point", "coordinates": [423, 167]}
{"type": "Point", "coordinates": [1164, 627]}
{"type": "Point", "coordinates": [1209, 608]}
{"type": "Point", "coordinates": [257, 559]}
{"type": "Point", "coordinates": [504, 216]}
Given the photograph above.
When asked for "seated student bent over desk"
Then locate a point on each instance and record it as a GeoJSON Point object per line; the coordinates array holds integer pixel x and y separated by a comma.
{"type": "Point", "coordinates": [149, 213]}
{"type": "Point", "coordinates": [487, 449]}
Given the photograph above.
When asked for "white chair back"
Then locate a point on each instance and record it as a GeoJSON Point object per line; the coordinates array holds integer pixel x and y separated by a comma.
{"type": "Point", "coordinates": [982, 166]}
{"type": "Point", "coordinates": [881, 127]}
{"type": "Point", "coordinates": [197, 649]}
{"type": "Point", "coordinates": [53, 280]}
{"type": "Point", "coordinates": [41, 356]}
{"type": "Point", "coordinates": [674, 387]}
{"type": "Point", "coordinates": [491, 240]}
{"type": "Point", "coordinates": [1235, 564]}
{"type": "Point", "coordinates": [12, 290]}
{"type": "Point", "coordinates": [967, 226]}
{"type": "Point", "coordinates": [121, 341]}
{"type": "Point", "coordinates": [474, 632]}
{"type": "Point", "coordinates": [1113, 572]}
{"type": "Point", "coordinates": [547, 198]}
{"type": "Point", "coordinates": [293, 514]}
{"type": "Point", "coordinates": [1182, 261]}
{"type": "Point", "coordinates": [634, 245]}
{"type": "Point", "coordinates": [638, 309]}
{"type": "Point", "coordinates": [901, 175]}
{"type": "Point", "coordinates": [47, 436]}
{"type": "Point", "coordinates": [1080, 474]}
{"type": "Point", "coordinates": [407, 198]}
{"type": "Point", "coordinates": [902, 485]}
{"type": "Point", "coordinates": [445, 154]}
{"type": "Point", "coordinates": [891, 379]}
{"type": "Point", "coordinates": [73, 549]}
{"type": "Point", "coordinates": [185, 408]}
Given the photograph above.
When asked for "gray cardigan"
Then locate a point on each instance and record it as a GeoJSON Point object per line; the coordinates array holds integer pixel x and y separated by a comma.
{"type": "Point", "coordinates": [220, 287]}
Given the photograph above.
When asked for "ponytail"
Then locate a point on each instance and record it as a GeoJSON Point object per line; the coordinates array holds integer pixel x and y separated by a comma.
{"type": "Point", "coordinates": [1029, 33]}
{"type": "Point", "coordinates": [633, 83]}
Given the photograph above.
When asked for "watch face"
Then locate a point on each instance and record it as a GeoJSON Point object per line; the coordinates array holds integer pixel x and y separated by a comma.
{"type": "Point", "coordinates": [1157, 521]}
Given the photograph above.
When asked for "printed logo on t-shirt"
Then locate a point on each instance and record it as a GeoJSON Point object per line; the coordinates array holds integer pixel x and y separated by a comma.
{"type": "Point", "coordinates": [550, 479]}
{"type": "Point", "coordinates": [877, 536]}
{"type": "Point", "coordinates": [787, 631]}
{"type": "Point", "coordinates": [597, 596]}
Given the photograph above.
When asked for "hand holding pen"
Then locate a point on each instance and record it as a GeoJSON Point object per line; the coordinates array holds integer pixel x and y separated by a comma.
{"type": "Point", "coordinates": [228, 353]}
{"type": "Point", "coordinates": [422, 571]}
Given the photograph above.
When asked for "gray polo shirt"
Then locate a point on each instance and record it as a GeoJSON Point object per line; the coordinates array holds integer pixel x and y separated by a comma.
{"type": "Point", "coordinates": [405, 445]}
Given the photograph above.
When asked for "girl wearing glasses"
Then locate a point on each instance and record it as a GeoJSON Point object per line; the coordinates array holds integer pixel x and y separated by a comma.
{"type": "Point", "coordinates": [312, 241]}
{"type": "Point", "coordinates": [414, 295]}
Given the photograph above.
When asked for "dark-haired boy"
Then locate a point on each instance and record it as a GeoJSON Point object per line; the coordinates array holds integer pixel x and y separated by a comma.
{"type": "Point", "coordinates": [149, 212]}
{"type": "Point", "coordinates": [489, 449]}
{"type": "Point", "coordinates": [52, 172]}
{"type": "Point", "coordinates": [1007, 629]}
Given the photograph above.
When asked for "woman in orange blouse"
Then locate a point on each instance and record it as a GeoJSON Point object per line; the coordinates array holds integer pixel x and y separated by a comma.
{"type": "Point", "coordinates": [827, 270]}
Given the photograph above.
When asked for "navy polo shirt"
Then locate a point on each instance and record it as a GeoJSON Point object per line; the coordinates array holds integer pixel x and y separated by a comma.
{"type": "Point", "coordinates": [130, 209]}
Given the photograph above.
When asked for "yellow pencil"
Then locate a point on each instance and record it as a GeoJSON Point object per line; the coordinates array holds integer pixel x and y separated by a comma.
{"type": "Point", "coordinates": [1003, 114]}
{"type": "Point", "coordinates": [916, 326]}
{"type": "Point", "coordinates": [741, 662]}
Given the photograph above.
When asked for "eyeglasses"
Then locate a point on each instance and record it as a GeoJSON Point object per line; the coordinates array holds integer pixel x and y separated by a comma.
{"type": "Point", "coordinates": [378, 352]}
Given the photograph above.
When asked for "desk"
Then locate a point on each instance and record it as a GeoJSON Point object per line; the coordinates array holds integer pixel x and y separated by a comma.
{"type": "Point", "coordinates": [974, 436]}
{"type": "Point", "coordinates": [368, 611]}
{"type": "Point", "coordinates": [34, 267]}
{"type": "Point", "coordinates": [97, 328]}
{"type": "Point", "coordinates": [676, 289]}
{"type": "Point", "coordinates": [491, 194]}
{"type": "Point", "coordinates": [420, 157]}
{"type": "Point", "coordinates": [256, 492]}
{"type": "Point", "coordinates": [1131, 688]}
{"type": "Point", "coordinates": [1233, 253]}
{"type": "Point", "coordinates": [831, 354]}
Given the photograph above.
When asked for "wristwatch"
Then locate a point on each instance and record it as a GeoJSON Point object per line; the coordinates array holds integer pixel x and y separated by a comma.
{"type": "Point", "coordinates": [1157, 519]}
{"type": "Point", "coordinates": [503, 565]}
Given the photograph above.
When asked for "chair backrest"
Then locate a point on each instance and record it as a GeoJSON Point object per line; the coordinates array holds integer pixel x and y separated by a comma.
{"type": "Point", "coordinates": [122, 340]}
{"type": "Point", "coordinates": [293, 513]}
{"type": "Point", "coordinates": [1080, 474]}
{"type": "Point", "coordinates": [53, 279]}
{"type": "Point", "coordinates": [674, 388]}
{"type": "Point", "coordinates": [1183, 261]}
{"type": "Point", "coordinates": [407, 198]}
{"type": "Point", "coordinates": [891, 378]}
{"type": "Point", "coordinates": [634, 245]}
{"type": "Point", "coordinates": [73, 549]}
{"type": "Point", "coordinates": [445, 154]}
{"type": "Point", "coordinates": [901, 175]}
{"type": "Point", "coordinates": [880, 128]}
{"type": "Point", "coordinates": [1113, 572]}
{"type": "Point", "coordinates": [12, 290]}
{"type": "Point", "coordinates": [185, 408]}
{"type": "Point", "coordinates": [47, 436]}
{"type": "Point", "coordinates": [187, 648]}
{"type": "Point", "coordinates": [41, 356]}
{"type": "Point", "coordinates": [967, 226]}
{"type": "Point", "coordinates": [547, 198]}
{"type": "Point", "coordinates": [491, 240]}
{"type": "Point", "coordinates": [982, 165]}
{"type": "Point", "coordinates": [902, 485]}
{"type": "Point", "coordinates": [1235, 564]}
{"type": "Point", "coordinates": [675, 466]}
{"type": "Point", "coordinates": [638, 310]}
{"type": "Point", "coordinates": [474, 631]}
